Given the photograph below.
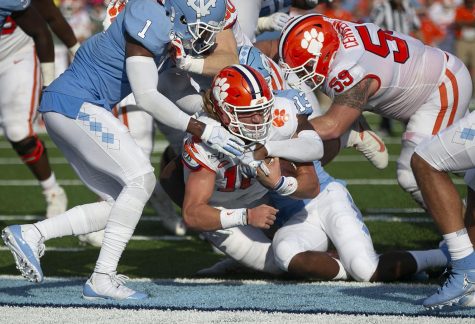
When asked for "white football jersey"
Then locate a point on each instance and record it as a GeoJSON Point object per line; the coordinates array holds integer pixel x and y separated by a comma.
{"type": "Point", "coordinates": [13, 39]}
{"type": "Point", "coordinates": [407, 70]}
{"type": "Point", "coordinates": [232, 190]}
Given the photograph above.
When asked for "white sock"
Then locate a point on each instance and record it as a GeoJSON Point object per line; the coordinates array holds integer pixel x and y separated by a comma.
{"type": "Point", "coordinates": [429, 259]}
{"type": "Point", "coordinates": [342, 274]}
{"type": "Point", "coordinates": [123, 219]}
{"type": "Point", "coordinates": [49, 183]}
{"type": "Point", "coordinates": [81, 219]}
{"type": "Point", "coordinates": [459, 244]}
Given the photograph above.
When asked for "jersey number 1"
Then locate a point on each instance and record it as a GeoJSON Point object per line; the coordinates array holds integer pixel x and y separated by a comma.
{"type": "Point", "coordinates": [145, 28]}
{"type": "Point", "coordinates": [400, 56]}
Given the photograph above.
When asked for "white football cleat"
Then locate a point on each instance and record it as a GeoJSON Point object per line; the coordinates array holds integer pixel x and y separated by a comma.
{"type": "Point", "coordinates": [26, 244]}
{"type": "Point", "coordinates": [222, 267]}
{"type": "Point", "coordinates": [56, 201]}
{"type": "Point", "coordinates": [109, 286]}
{"type": "Point", "coordinates": [94, 238]}
{"type": "Point", "coordinates": [364, 140]}
{"type": "Point", "coordinates": [165, 209]}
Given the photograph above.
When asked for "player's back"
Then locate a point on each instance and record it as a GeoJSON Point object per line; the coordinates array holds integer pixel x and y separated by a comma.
{"type": "Point", "coordinates": [407, 71]}
{"type": "Point", "coordinates": [97, 73]}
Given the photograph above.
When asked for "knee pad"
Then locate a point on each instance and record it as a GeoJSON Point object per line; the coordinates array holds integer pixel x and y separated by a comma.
{"type": "Point", "coordinates": [142, 186]}
{"type": "Point", "coordinates": [362, 268]}
{"type": "Point", "coordinates": [16, 133]}
{"type": "Point", "coordinates": [30, 149]}
{"type": "Point", "coordinates": [285, 250]}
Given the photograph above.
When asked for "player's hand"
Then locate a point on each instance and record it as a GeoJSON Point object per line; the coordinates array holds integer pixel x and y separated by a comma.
{"type": "Point", "coordinates": [273, 176]}
{"type": "Point", "coordinates": [249, 165]}
{"type": "Point", "coordinates": [220, 139]}
{"type": "Point", "coordinates": [279, 19]}
{"type": "Point", "coordinates": [262, 216]}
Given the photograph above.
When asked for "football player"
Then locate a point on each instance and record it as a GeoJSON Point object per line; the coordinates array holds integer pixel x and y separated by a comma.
{"type": "Point", "coordinates": [77, 107]}
{"type": "Point", "coordinates": [230, 206]}
{"type": "Point", "coordinates": [364, 68]}
{"type": "Point", "coordinates": [21, 81]}
{"type": "Point", "coordinates": [450, 150]}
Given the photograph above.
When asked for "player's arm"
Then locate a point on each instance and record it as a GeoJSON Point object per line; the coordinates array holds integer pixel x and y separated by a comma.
{"type": "Point", "coordinates": [31, 22]}
{"type": "Point", "coordinates": [58, 24]}
{"type": "Point", "coordinates": [301, 182]}
{"type": "Point", "coordinates": [143, 77]}
{"type": "Point", "coordinates": [223, 55]}
{"type": "Point", "coordinates": [200, 216]}
{"type": "Point", "coordinates": [344, 110]}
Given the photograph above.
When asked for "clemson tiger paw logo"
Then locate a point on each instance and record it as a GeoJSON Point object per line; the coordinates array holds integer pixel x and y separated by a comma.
{"type": "Point", "coordinates": [313, 41]}
{"type": "Point", "coordinates": [219, 89]}
{"type": "Point", "coordinates": [279, 118]}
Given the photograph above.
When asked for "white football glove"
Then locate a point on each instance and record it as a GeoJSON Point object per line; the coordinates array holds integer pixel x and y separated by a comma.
{"type": "Point", "coordinates": [250, 165]}
{"type": "Point", "coordinates": [186, 62]}
{"type": "Point", "coordinates": [274, 22]}
{"type": "Point", "coordinates": [312, 3]}
{"type": "Point", "coordinates": [220, 139]}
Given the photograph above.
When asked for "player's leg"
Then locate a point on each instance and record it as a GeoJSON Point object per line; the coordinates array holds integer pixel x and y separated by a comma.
{"type": "Point", "coordinates": [445, 106]}
{"type": "Point", "coordinates": [300, 247]}
{"type": "Point", "coordinates": [20, 81]}
{"type": "Point", "coordinates": [450, 150]}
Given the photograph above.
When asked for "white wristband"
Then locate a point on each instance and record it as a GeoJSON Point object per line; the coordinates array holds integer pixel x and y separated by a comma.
{"type": "Point", "coordinates": [286, 186]}
{"type": "Point", "coordinates": [47, 71]}
{"type": "Point", "coordinates": [73, 49]}
{"type": "Point", "coordinates": [196, 65]}
{"type": "Point", "coordinates": [233, 217]}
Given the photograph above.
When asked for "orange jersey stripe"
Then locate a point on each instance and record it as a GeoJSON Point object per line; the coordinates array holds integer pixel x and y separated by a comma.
{"type": "Point", "coordinates": [125, 117]}
{"type": "Point", "coordinates": [443, 108]}
{"type": "Point", "coordinates": [455, 88]}
{"type": "Point", "coordinates": [34, 92]}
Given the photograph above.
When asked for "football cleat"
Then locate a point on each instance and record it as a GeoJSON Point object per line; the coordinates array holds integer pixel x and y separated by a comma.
{"type": "Point", "coordinates": [225, 266]}
{"type": "Point", "coordinates": [364, 140]}
{"type": "Point", "coordinates": [26, 244]}
{"type": "Point", "coordinates": [109, 286]}
{"type": "Point", "coordinates": [467, 301]}
{"type": "Point", "coordinates": [94, 238]}
{"type": "Point", "coordinates": [164, 208]}
{"type": "Point", "coordinates": [458, 284]}
{"type": "Point", "coordinates": [56, 201]}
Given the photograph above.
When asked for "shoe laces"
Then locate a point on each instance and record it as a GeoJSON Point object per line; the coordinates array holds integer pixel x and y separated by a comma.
{"type": "Point", "coordinates": [41, 247]}
{"type": "Point", "coordinates": [119, 279]}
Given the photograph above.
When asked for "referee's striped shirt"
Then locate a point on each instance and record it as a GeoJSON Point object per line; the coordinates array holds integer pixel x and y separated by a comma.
{"type": "Point", "coordinates": [403, 20]}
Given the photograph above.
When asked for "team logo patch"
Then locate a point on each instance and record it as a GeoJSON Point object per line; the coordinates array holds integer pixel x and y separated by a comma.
{"type": "Point", "coordinates": [279, 117]}
{"type": "Point", "coordinates": [201, 6]}
{"type": "Point", "coordinates": [313, 41]}
{"type": "Point", "coordinates": [219, 89]}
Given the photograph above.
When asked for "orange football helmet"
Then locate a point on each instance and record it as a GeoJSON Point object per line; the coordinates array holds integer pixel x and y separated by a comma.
{"type": "Point", "coordinates": [240, 91]}
{"type": "Point", "coordinates": [307, 46]}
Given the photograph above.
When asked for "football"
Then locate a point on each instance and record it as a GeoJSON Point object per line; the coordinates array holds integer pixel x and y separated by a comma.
{"type": "Point", "coordinates": [287, 168]}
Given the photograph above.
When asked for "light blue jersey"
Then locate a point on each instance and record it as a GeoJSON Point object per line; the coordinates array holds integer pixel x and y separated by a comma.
{"type": "Point", "coordinates": [97, 74]}
{"type": "Point", "coordinates": [9, 6]}
{"type": "Point", "coordinates": [268, 7]}
{"type": "Point", "coordinates": [288, 206]}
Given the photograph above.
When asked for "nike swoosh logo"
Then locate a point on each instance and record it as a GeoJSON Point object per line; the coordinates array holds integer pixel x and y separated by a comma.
{"type": "Point", "coordinates": [382, 147]}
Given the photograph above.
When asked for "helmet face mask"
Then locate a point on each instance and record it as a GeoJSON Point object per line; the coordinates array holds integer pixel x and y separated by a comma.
{"type": "Point", "coordinates": [243, 102]}
{"type": "Point", "coordinates": [204, 35]}
{"type": "Point", "coordinates": [305, 74]}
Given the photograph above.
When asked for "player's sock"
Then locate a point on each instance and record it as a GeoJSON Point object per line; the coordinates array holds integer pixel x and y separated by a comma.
{"type": "Point", "coordinates": [342, 274]}
{"type": "Point", "coordinates": [459, 244]}
{"type": "Point", "coordinates": [49, 183]}
{"type": "Point", "coordinates": [429, 259]}
{"type": "Point", "coordinates": [78, 220]}
{"type": "Point", "coordinates": [122, 221]}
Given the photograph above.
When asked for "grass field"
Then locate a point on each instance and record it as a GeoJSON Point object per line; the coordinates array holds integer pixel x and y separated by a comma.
{"type": "Point", "coordinates": [374, 191]}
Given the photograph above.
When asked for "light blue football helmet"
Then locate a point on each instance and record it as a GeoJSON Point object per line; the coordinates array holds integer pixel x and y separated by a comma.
{"type": "Point", "coordinates": [196, 22]}
{"type": "Point", "coordinates": [252, 56]}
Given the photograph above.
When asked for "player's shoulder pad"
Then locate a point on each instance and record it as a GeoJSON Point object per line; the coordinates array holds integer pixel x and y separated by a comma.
{"type": "Point", "coordinates": [284, 119]}
{"type": "Point", "coordinates": [299, 99]}
{"type": "Point", "coordinates": [196, 154]}
{"type": "Point", "coordinates": [15, 5]}
{"type": "Point", "coordinates": [147, 23]}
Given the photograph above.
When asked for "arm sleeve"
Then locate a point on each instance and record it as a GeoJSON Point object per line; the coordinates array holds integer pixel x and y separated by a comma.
{"type": "Point", "coordinates": [306, 147]}
{"type": "Point", "coordinates": [143, 78]}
